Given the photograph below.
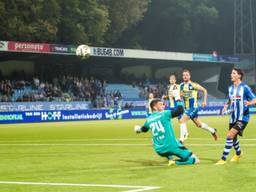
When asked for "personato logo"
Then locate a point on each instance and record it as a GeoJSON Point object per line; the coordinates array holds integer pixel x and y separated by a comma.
{"type": "Point", "coordinates": [50, 116]}
{"type": "Point", "coordinates": [28, 47]}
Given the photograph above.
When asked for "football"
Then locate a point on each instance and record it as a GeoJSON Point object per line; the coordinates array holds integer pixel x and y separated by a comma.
{"type": "Point", "coordinates": [83, 51]}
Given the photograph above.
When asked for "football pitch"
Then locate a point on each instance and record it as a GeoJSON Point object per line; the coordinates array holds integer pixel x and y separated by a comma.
{"type": "Point", "coordinates": [105, 156]}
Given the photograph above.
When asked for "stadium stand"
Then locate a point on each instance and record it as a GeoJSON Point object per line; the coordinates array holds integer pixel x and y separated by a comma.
{"type": "Point", "coordinates": [127, 91]}
{"type": "Point", "coordinates": [99, 93]}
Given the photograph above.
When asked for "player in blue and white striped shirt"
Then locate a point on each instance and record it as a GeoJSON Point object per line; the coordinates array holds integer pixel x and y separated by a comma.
{"type": "Point", "coordinates": [240, 98]}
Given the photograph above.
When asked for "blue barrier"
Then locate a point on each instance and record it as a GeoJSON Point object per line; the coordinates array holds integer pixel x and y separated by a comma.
{"type": "Point", "coordinates": [70, 115]}
{"type": "Point", "coordinates": [93, 114]}
{"type": "Point", "coordinates": [43, 106]}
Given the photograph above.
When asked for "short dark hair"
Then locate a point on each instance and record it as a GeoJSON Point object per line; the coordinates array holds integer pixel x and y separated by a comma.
{"type": "Point", "coordinates": [154, 102]}
{"type": "Point", "coordinates": [239, 72]}
{"type": "Point", "coordinates": [186, 70]}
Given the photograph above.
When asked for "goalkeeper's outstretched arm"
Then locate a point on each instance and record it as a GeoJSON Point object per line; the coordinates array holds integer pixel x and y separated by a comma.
{"type": "Point", "coordinates": [139, 129]}
{"type": "Point", "coordinates": [178, 111]}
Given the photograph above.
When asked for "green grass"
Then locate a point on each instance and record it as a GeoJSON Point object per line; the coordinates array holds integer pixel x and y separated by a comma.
{"type": "Point", "coordinates": [60, 153]}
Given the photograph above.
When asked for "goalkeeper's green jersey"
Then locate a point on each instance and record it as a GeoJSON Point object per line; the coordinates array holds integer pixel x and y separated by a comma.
{"type": "Point", "coordinates": [162, 131]}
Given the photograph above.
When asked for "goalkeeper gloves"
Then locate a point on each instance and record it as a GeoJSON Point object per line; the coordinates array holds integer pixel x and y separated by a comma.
{"type": "Point", "coordinates": [137, 129]}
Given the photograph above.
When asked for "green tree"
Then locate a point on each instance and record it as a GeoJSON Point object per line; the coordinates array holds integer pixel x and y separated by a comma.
{"type": "Point", "coordinates": [123, 15]}
{"type": "Point", "coordinates": [61, 21]}
{"type": "Point", "coordinates": [28, 20]}
{"type": "Point", "coordinates": [82, 22]}
{"type": "Point", "coordinates": [172, 24]}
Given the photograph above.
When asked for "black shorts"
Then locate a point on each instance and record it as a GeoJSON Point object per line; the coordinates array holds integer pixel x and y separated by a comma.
{"type": "Point", "coordinates": [239, 126]}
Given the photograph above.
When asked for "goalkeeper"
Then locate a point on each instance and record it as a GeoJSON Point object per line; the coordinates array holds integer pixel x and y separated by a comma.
{"type": "Point", "coordinates": [164, 140]}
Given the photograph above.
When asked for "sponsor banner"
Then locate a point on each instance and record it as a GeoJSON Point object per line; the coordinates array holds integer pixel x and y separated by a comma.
{"type": "Point", "coordinates": [63, 49]}
{"type": "Point", "coordinates": [231, 59]}
{"type": "Point", "coordinates": [72, 49]}
{"type": "Point", "coordinates": [208, 111]}
{"type": "Point", "coordinates": [28, 47]}
{"type": "Point", "coordinates": [204, 57]}
{"type": "Point", "coordinates": [3, 45]}
{"type": "Point", "coordinates": [252, 109]}
{"type": "Point", "coordinates": [73, 115]}
{"type": "Point", "coordinates": [83, 115]}
{"type": "Point", "coordinates": [139, 54]}
{"type": "Point", "coordinates": [215, 58]}
{"type": "Point", "coordinates": [107, 52]}
{"type": "Point", "coordinates": [43, 106]}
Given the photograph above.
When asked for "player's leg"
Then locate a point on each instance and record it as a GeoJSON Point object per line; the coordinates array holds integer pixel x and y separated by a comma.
{"type": "Point", "coordinates": [204, 126]}
{"type": "Point", "coordinates": [232, 133]}
{"type": "Point", "coordinates": [239, 126]}
{"type": "Point", "coordinates": [185, 156]}
{"type": "Point", "coordinates": [183, 127]}
{"type": "Point", "coordinates": [169, 156]}
{"type": "Point", "coordinates": [237, 148]}
{"type": "Point", "coordinates": [183, 132]}
{"type": "Point", "coordinates": [232, 141]}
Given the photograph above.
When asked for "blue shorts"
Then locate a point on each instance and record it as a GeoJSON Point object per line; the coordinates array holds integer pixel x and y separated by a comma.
{"type": "Point", "coordinates": [192, 113]}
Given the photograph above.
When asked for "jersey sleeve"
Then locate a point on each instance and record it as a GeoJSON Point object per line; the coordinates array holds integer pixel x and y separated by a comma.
{"type": "Point", "coordinates": [195, 86]}
{"type": "Point", "coordinates": [167, 114]}
{"type": "Point", "coordinates": [249, 95]}
{"type": "Point", "coordinates": [146, 125]}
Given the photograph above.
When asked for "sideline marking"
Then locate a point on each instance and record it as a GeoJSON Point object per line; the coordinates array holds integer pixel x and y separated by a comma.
{"type": "Point", "coordinates": [114, 139]}
{"type": "Point", "coordinates": [133, 188]}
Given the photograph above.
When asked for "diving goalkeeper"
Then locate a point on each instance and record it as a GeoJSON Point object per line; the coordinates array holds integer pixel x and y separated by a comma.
{"type": "Point", "coordinates": [164, 140]}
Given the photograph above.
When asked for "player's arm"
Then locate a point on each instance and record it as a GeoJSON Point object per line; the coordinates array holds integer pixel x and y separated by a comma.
{"type": "Point", "coordinates": [251, 98]}
{"type": "Point", "coordinates": [225, 108]}
{"type": "Point", "coordinates": [252, 102]}
{"type": "Point", "coordinates": [179, 110]}
{"type": "Point", "coordinates": [139, 129]}
{"type": "Point", "coordinates": [201, 88]}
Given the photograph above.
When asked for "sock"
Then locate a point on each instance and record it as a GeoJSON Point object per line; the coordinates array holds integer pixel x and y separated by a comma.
{"type": "Point", "coordinates": [183, 131]}
{"type": "Point", "coordinates": [207, 128]}
{"type": "Point", "coordinates": [236, 146]}
{"type": "Point", "coordinates": [227, 148]}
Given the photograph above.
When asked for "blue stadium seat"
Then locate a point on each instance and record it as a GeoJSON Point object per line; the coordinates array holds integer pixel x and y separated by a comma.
{"type": "Point", "coordinates": [127, 91]}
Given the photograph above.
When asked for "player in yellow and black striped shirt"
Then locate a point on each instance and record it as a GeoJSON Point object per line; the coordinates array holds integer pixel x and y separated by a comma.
{"type": "Point", "coordinates": [189, 91]}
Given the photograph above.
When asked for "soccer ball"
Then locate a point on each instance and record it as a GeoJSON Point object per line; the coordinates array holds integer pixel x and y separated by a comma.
{"type": "Point", "coordinates": [83, 51]}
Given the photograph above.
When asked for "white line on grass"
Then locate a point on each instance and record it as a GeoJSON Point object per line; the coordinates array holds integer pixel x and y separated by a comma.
{"type": "Point", "coordinates": [112, 144]}
{"type": "Point", "coordinates": [113, 139]}
{"type": "Point", "coordinates": [133, 188]}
